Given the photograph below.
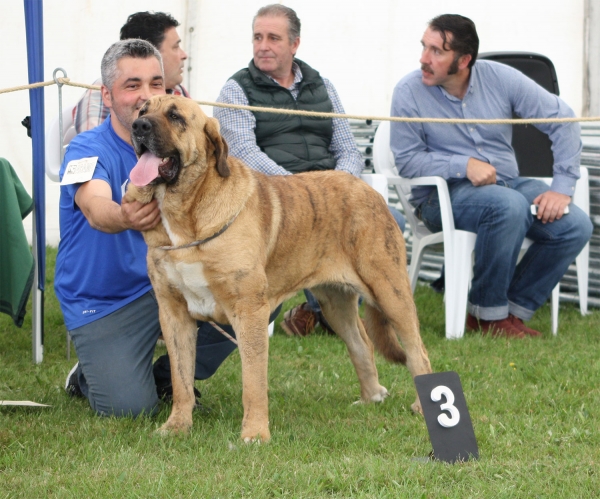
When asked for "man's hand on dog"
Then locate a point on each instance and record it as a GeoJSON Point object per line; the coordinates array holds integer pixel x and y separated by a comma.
{"type": "Point", "coordinates": [140, 216]}
{"type": "Point", "coordinates": [94, 198]}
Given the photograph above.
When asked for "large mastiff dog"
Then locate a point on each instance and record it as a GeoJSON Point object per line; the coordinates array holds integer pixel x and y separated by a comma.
{"type": "Point", "coordinates": [233, 244]}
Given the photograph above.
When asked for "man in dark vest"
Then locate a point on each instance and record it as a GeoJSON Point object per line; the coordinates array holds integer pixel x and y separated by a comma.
{"type": "Point", "coordinates": [280, 144]}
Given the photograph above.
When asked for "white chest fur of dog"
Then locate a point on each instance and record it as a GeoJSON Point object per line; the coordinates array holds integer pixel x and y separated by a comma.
{"type": "Point", "coordinates": [189, 279]}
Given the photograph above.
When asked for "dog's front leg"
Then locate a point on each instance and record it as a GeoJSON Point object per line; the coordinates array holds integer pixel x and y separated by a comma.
{"type": "Point", "coordinates": [179, 331]}
{"type": "Point", "coordinates": [250, 324]}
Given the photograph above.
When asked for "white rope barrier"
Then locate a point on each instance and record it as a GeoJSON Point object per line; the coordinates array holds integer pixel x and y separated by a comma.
{"type": "Point", "coordinates": [517, 121]}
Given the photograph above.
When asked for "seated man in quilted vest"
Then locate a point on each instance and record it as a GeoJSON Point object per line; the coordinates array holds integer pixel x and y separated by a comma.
{"type": "Point", "coordinates": [280, 144]}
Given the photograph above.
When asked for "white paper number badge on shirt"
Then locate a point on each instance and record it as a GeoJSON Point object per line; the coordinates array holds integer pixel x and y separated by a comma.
{"type": "Point", "coordinates": [447, 417]}
{"type": "Point", "coordinates": [79, 170]}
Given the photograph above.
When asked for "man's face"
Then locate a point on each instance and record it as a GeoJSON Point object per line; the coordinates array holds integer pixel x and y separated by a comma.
{"type": "Point", "coordinates": [273, 52]}
{"type": "Point", "coordinates": [437, 64]}
{"type": "Point", "coordinates": [173, 57]}
{"type": "Point", "coordinates": [137, 80]}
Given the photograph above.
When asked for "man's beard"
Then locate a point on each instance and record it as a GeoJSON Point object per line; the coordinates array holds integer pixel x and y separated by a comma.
{"type": "Point", "coordinates": [453, 69]}
{"type": "Point", "coordinates": [125, 118]}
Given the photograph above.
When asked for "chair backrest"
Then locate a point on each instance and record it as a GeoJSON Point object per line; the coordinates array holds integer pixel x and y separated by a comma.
{"type": "Point", "coordinates": [377, 182]}
{"type": "Point", "coordinates": [383, 159]}
{"type": "Point", "coordinates": [533, 148]}
{"type": "Point", "coordinates": [55, 146]}
{"type": "Point", "coordinates": [384, 163]}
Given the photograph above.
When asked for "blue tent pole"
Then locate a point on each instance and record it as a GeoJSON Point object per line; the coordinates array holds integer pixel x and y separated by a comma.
{"type": "Point", "coordinates": [34, 26]}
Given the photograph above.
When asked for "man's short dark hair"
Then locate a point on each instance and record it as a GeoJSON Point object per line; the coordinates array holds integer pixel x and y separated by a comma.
{"type": "Point", "coordinates": [464, 40]}
{"type": "Point", "coordinates": [133, 47]}
{"type": "Point", "coordinates": [149, 26]}
{"type": "Point", "coordinates": [277, 9]}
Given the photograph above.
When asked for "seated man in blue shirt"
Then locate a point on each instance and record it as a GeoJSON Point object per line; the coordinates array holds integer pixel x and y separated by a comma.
{"type": "Point", "coordinates": [279, 144]}
{"type": "Point", "coordinates": [488, 196]}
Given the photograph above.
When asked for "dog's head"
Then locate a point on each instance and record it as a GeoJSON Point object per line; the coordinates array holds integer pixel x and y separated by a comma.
{"type": "Point", "coordinates": [170, 134]}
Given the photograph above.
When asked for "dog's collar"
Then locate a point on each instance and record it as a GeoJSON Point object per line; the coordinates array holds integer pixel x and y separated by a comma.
{"type": "Point", "coordinates": [201, 241]}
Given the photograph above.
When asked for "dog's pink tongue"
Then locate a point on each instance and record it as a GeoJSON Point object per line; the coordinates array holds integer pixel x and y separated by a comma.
{"type": "Point", "coordinates": [146, 169]}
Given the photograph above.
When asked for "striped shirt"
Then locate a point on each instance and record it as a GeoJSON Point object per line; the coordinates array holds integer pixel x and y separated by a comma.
{"type": "Point", "coordinates": [237, 127]}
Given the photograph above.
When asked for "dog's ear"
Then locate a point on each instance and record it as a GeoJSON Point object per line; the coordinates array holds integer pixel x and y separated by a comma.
{"type": "Point", "coordinates": [221, 150]}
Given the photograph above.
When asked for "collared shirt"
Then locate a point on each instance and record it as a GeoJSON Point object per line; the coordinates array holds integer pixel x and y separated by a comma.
{"type": "Point", "coordinates": [90, 111]}
{"type": "Point", "coordinates": [496, 91]}
{"type": "Point", "coordinates": [238, 125]}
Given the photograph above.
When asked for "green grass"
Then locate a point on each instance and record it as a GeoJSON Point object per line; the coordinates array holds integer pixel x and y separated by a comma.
{"type": "Point", "coordinates": [534, 403]}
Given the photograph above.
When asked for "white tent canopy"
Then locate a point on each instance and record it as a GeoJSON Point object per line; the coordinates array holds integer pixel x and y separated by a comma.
{"type": "Point", "coordinates": [363, 47]}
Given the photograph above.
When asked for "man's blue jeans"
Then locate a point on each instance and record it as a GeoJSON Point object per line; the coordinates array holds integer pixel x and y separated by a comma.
{"type": "Point", "coordinates": [500, 216]}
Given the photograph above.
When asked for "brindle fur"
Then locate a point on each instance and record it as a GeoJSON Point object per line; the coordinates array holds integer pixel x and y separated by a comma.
{"type": "Point", "coordinates": [327, 231]}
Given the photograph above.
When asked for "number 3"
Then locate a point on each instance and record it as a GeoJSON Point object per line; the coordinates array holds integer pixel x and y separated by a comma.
{"type": "Point", "coordinates": [443, 419]}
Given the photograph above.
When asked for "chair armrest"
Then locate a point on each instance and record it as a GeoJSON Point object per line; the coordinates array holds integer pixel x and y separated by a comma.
{"type": "Point", "coordinates": [581, 197]}
{"type": "Point", "coordinates": [443, 194]}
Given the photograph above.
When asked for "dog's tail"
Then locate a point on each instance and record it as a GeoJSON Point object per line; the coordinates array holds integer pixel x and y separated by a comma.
{"type": "Point", "coordinates": [383, 335]}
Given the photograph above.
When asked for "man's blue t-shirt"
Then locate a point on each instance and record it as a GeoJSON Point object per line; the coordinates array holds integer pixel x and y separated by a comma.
{"type": "Point", "coordinates": [98, 273]}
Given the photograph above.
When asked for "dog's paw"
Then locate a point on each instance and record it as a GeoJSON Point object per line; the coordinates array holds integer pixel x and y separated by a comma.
{"type": "Point", "coordinates": [381, 395]}
{"type": "Point", "coordinates": [378, 395]}
{"type": "Point", "coordinates": [174, 428]}
{"type": "Point", "coordinates": [416, 407]}
{"type": "Point", "coordinates": [256, 437]}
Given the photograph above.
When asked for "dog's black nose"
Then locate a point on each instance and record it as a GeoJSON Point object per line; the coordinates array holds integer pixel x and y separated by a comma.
{"type": "Point", "coordinates": [142, 126]}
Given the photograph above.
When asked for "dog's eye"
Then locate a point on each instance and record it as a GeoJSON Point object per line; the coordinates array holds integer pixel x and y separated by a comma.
{"type": "Point", "coordinates": [174, 117]}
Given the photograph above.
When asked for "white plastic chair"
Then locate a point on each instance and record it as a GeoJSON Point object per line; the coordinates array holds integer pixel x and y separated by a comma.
{"type": "Point", "coordinates": [378, 181]}
{"type": "Point", "coordinates": [56, 145]}
{"type": "Point", "coordinates": [458, 244]}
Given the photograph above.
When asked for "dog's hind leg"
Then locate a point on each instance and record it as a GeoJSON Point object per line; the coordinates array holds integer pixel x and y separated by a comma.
{"type": "Point", "coordinates": [395, 316]}
{"type": "Point", "coordinates": [340, 308]}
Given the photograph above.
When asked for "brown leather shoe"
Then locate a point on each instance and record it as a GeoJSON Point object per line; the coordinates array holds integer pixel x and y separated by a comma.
{"type": "Point", "coordinates": [299, 321]}
{"type": "Point", "coordinates": [502, 328]}
{"type": "Point", "coordinates": [519, 324]}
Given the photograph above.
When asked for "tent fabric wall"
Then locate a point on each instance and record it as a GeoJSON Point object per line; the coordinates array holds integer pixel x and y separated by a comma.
{"type": "Point", "coordinates": [368, 48]}
{"type": "Point", "coordinates": [364, 52]}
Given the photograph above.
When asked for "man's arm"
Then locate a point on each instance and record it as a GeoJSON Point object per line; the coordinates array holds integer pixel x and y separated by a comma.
{"type": "Point", "coordinates": [343, 145]}
{"type": "Point", "coordinates": [237, 127]}
{"type": "Point", "coordinates": [94, 198]}
{"type": "Point", "coordinates": [529, 100]}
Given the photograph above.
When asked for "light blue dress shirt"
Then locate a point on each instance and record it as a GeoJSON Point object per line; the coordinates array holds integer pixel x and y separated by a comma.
{"type": "Point", "coordinates": [495, 92]}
